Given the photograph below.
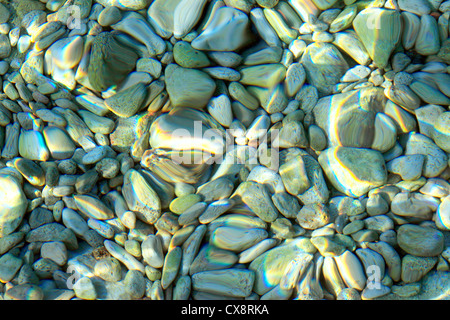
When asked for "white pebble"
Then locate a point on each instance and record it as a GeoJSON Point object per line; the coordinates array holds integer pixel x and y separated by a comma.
{"type": "Point", "coordinates": [4, 28]}
{"type": "Point", "coordinates": [24, 43]}
{"type": "Point", "coordinates": [14, 35]}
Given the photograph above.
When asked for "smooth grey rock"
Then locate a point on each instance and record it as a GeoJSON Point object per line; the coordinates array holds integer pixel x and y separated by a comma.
{"type": "Point", "coordinates": [420, 241]}
{"type": "Point", "coordinates": [188, 87]}
{"type": "Point", "coordinates": [9, 266]}
{"type": "Point", "coordinates": [353, 171]}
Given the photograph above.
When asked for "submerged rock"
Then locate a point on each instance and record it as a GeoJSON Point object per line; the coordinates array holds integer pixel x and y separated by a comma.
{"type": "Point", "coordinates": [353, 171]}
{"type": "Point", "coordinates": [110, 62]}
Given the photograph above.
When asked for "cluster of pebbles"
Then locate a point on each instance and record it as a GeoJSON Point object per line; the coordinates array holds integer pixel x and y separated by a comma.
{"type": "Point", "coordinates": [347, 197]}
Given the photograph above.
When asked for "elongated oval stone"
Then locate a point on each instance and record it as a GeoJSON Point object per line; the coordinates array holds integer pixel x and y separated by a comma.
{"type": "Point", "coordinates": [443, 213]}
{"type": "Point", "coordinates": [171, 266]}
{"type": "Point", "coordinates": [349, 42]}
{"type": "Point", "coordinates": [32, 146]}
{"type": "Point", "coordinates": [123, 256]}
{"type": "Point", "coordinates": [427, 42]}
{"type": "Point", "coordinates": [418, 7]}
{"type": "Point", "coordinates": [263, 28]}
{"type": "Point", "coordinates": [238, 221]}
{"type": "Point", "coordinates": [351, 270]}
{"type": "Point", "coordinates": [411, 25]}
{"type": "Point", "coordinates": [182, 288]}
{"type": "Point", "coordinates": [140, 197]}
{"type": "Point", "coordinates": [24, 291]}
{"type": "Point", "coordinates": [74, 221]}
{"type": "Point", "coordinates": [13, 204]}
{"type": "Point", "coordinates": [332, 278]}
{"type": "Point", "coordinates": [236, 239]}
{"type": "Point", "coordinates": [190, 248]}
{"type": "Point", "coordinates": [385, 134]}
{"type": "Point", "coordinates": [32, 172]}
{"type": "Point", "coordinates": [372, 261]}
{"type": "Point", "coordinates": [253, 252]}
{"type": "Point", "coordinates": [93, 207]}
{"type": "Point", "coordinates": [307, 9]}
{"type": "Point", "coordinates": [152, 251]}
{"type": "Point", "coordinates": [324, 4]}
{"type": "Point", "coordinates": [212, 258]}
{"type": "Point", "coordinates": [390, 256]}
{"type": "Point", "coordinates": [186, 129]}
{"type": "Point", "coordinates": [344, 19]}
{"type": "Point", "coordinates": [186, 15]}
{"type": "Point", "coordinates": [228, 282]}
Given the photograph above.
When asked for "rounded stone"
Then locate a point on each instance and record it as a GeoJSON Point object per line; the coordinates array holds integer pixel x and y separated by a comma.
{"type": "Point", "coordinates": [13, 204]}
{"type": "Point", "coordinates": [267, 3]}
{"type": "Point", "coordinates": [110, 61]}
{"type": "Point", "coordinates": [135, 284]}
{"type": "Point", "coordinates": [181, 204]}
{"type": "Point", "coordinates": [109, 16]}
{"type": "Point", "coordinates": [257, 198]}
{"type": "Point", "coordinates": [188, 87]}
{"type": "Point", "coordinates": [4, 14]}
{"type": "Point", "coordinates": [269, 267]}
{"type": "Point", "coordinates": [443, 213]}
{"type": "Point", "coordinates": [108, 168]}
{"type": "Point", "coordinates": [5, 46]}
{"type": "Point", "coordinates": [420, 241]}
{"type": "Point", "coordinates": [327, 247]}
{"type": "Point", "coordinates": [380, 31]}
{"type": "Point", "coordinates": [24, 291]}
{"type": "Point", "coordinates": [9, 266]}
{"type": "Point", "coordinates": [55, 251]}
{"type": "Point", "coordinates": [58, 143]}
{"type": "Point", "coordinates": [353, 171]}
{"type": "Point", "coordinates": [313, 216]}
{"type": "Point", "coordinates": [188, 57]}
{"type": "Point", "coordinates": [348, 294]}
{"type": "Point", "coordinates": [84, 289]}
{"type": "Point", "coordinates": [441, 133]}
{"type": "Point", "coordinates": [324, 66]}
{"type": "Point", "coordinates": [436, 160]}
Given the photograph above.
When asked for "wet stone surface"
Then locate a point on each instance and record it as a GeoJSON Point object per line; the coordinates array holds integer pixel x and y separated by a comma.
{"type": "Point", "coordinates": [237, 149]}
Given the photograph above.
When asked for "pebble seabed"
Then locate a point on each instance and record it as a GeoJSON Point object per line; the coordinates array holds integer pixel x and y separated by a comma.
{"type": "Point", "coordinates": [331, 118]}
